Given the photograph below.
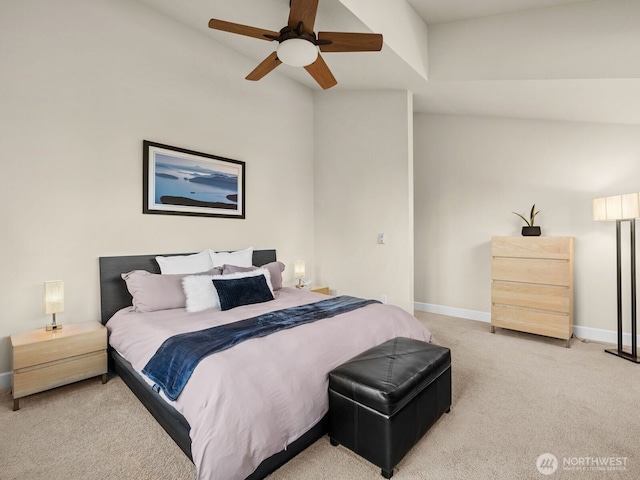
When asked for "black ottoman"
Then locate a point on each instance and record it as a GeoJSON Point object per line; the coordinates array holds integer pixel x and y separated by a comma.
{"type": "Point", "coordinates": [382, 401]}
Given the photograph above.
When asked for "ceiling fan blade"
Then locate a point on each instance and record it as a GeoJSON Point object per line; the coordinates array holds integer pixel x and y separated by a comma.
{"type": "Point", "coordinates": [321, 73]}
{"type": "Point", "coordinates": [350, 42]}
{"type": "Point", "coordinates": [242, 29]}
{"type": "Point", "coordinates": [267, 65]}
{"type": "Point", "coordinates": [303, 11]}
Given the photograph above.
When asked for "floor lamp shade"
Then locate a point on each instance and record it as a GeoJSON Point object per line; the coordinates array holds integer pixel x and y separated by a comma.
{"type": "Point", "coordinates": [623, 208]}
{"type": "Point", "coordinates": [617, 207]}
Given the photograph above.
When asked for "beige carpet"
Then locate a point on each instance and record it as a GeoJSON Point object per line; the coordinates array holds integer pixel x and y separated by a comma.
{"type": "Point", "coordinates": [515, 397]}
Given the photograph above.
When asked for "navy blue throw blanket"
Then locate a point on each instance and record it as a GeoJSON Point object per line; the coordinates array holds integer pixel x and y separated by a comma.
{"type": "Point", "coordinates": [176, 359]}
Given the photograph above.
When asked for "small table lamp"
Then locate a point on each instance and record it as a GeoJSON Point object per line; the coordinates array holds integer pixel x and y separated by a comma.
{"type": "Point", "coordinates": [623, 208]}
{"type": "Point", "coordinates": [298, 272]}
{"type": "Point", "coordinates": [54, 301]}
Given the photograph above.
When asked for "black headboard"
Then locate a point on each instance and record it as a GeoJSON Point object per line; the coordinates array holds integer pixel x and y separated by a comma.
{"type": "Point", "coordinates": [113, 291]}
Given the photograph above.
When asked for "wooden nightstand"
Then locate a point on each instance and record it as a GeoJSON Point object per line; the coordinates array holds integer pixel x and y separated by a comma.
{"type": "Point", "coordinates": [319, 289]}
{"type": "Point", "coordinates": [47, 359]}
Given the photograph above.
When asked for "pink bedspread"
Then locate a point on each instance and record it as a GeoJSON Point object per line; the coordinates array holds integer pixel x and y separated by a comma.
{"type": "Point", "coordinates": [251, 401]}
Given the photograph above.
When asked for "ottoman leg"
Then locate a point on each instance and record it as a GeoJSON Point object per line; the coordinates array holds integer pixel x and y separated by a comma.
{"type": "Point", "coordinates": [387, 473]}
{"type": "Point", "coordinates": [333, 442]}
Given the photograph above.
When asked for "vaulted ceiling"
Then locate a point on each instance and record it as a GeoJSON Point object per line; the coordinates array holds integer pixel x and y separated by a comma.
{"type": "Point", "coordinates": [575, 60]}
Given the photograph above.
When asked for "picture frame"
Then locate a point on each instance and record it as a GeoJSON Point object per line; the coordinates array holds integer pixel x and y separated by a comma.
{"type": "Point", "coordinates": [177, 181]}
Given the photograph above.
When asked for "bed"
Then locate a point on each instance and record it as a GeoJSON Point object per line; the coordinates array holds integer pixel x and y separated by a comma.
{"type": "Point", "coordinates": [250, 439]}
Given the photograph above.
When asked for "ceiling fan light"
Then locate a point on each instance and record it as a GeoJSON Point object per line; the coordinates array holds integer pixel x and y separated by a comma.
{"type": "Point", "coordinates": [297, 52]}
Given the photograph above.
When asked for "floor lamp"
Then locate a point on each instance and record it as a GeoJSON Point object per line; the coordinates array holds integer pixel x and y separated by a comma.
{"type": "Point", "coordinates": [623, 208]}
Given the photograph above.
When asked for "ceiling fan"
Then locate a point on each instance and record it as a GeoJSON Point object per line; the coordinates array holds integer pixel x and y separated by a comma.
{"type": "Point", "coordinates": [298, 45]}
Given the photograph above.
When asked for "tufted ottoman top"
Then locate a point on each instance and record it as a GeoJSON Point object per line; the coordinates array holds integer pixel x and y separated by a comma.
{"type": "Point", "coordinates": [388, 376]}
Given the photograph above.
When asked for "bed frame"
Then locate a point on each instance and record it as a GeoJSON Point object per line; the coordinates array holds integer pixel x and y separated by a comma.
{"type": "Point", "coordinates": [114, 296]}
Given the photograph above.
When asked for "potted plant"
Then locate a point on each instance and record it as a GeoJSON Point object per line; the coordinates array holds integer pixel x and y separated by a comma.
{"type": "Point", "coordinates": [529, 230]}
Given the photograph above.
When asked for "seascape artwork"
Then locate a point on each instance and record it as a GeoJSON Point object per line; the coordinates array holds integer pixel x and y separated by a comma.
{"type": "Point", "coordinates": [180, 181]}
{"type": "Point", "coordinates": [184, 182]}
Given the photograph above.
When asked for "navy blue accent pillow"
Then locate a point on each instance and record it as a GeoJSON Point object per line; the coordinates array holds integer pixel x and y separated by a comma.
{"type": "Point", "coordinates": [235, 292]}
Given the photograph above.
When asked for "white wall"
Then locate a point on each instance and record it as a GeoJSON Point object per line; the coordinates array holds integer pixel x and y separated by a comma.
{"type": "Point", "coordinates": [588, 40]}
{"type": "Point", "coordinates": [364, 186]}
{"type": "Point", "coordinates": [82, 84]}
{"type": "Point", "coordinates": [404, 31]}
{"type": "Point", "coordinates": [472, 172]}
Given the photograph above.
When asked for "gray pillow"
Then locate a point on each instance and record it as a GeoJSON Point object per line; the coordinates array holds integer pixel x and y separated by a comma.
{"type": "Point", "coordinates": [275, 270]}
{"type": "Point", "coordinates": [151, 292]}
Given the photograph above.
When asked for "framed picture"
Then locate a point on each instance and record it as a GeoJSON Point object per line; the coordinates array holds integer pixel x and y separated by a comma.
{"type": "Point", "coordinates": [177, 181]}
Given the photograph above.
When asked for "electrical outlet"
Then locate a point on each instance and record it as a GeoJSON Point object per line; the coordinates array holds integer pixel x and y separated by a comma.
{"type": "Point", "coordinates": [384, 299]}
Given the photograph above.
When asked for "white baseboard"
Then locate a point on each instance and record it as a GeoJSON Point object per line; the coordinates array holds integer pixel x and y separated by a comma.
{"type": "Point", "coordinates": [453, 312]}
{"type": "Point", "coordinates": [5, 380]}
{"type": "Point", "coordinates": [604, 336]}
{"type": "Point", "coordinates": [588, 333]}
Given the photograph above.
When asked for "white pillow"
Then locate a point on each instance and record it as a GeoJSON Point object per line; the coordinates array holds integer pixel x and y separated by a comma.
{"type": "Point", "coordinates": [240, 258]}
{"type": "Point", "coordinates": [202, 295]}
{"type": "Point", "coordinates": [185, 264]}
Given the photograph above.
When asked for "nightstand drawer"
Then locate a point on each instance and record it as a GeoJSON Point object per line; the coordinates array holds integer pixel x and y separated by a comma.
{"type": "Point", "coordinates": [38, 378]}
{"type": "Point", "coordinates": [36, 348]}
{"type": "Point", "coordinates": [44, 359]}
{"type": "Point", "coordinates": [320, 289]}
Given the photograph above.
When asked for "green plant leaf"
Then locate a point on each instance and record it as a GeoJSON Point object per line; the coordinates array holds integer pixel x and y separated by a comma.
{"type": "Point", "coordinates": [533, 214]}
{"type": "Point", "coordinates": [525, 220]}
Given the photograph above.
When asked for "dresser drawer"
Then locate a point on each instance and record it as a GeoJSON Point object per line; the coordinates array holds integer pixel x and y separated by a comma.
{"type": "Point", "coordinates": [540, 297]}
{"type": "Point", "coordinates": [43, 377]}
{"type": "Point", "coordinates": [536, 271]}
{"type": "Point", "coordinates": [532, 247]}
{"type": "Point", "coordinates": [541, 323]}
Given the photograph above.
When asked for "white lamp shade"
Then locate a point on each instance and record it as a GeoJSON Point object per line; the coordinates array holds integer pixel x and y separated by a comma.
{"type": "Point", "coordinates": [617, 207]}
{"type": "Point", "coordinates": [299, 269]}
{"type": "Point", "coordinates": [297, 52]}
{"type": "Point", "coordinates": [54, 296]}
